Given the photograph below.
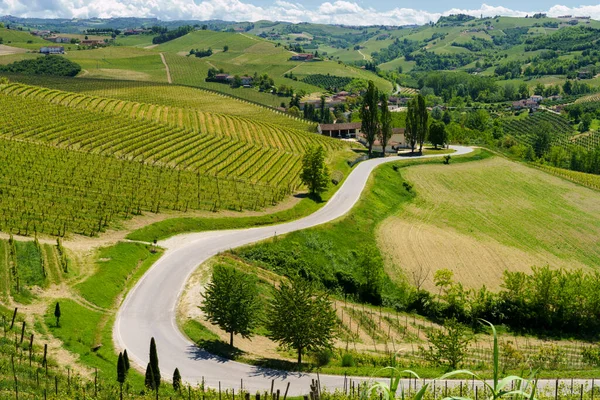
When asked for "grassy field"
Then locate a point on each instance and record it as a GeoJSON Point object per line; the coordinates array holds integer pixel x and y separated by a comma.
{"type": "Point", "coordinates": [22, 39]}
{"type": "Point", "coordinates": [466, 220]}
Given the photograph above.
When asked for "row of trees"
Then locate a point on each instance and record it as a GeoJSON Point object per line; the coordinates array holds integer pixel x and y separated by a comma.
{"type": "Point", "coordinates": [545, 300]}
{"type": "Point", "coordinates": [297, 315]}
{"type": "Point", "coordinates": [376, 120]}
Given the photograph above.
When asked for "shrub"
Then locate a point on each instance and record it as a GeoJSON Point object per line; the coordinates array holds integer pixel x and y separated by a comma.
{"type": "Point", "coordinates": [323, 357]}
{"type": "Point", "coordinates": [347, 360]}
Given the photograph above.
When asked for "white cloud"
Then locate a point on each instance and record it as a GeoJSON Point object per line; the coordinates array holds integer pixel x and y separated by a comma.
{"type": "Point", "coordinates": [336, 12]}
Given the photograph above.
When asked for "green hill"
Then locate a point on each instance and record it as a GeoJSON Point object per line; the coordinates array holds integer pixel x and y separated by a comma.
{"type": "Point", "coordinates": [21, 39]}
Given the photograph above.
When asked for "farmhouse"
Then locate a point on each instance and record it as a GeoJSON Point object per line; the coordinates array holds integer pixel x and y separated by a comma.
{"type": "Point", "coordinates": [93, 42]}
{"type": "Point", "coordinates": [302, 57]}
{"type": "Point", "coordinates": [347, 130]}
{"type": "Point", "coordinates": [59, 39]}
{"type": "Point", "coordinates": [52, 50]}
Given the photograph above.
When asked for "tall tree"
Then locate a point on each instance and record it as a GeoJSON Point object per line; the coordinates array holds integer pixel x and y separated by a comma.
{"type": "Point", "coordinates": [422, 117]}
{"type": "Point", "coordinates": [410, 132]}
{"type": "Point", "coordinates": [315, 174]}
{"type": "Point", "coordinates": [154, 364]}
{"type": "Point", "coordinates": [437, 134]}
{"type": "Point", "coordinates": [149, 378]}
{"type": "Point", "coordinates": [57, 313]}
{"type": "Point", "coordinates": [176, 380]}
{"type": "Point", "coordinates": [126, 361]}
{"type": "Point", "coordinates": [232, 302]}
{"type": "Point", "coordinates": [385, 132]}
{"type": "Point", "coordinates": [300, 318]}
{"type": "Point", "coordinates": [369, 115]}
{"type": "Point", "coordinates": [121, 373]}
{"type": "Point", "coordinates": [324, 111]}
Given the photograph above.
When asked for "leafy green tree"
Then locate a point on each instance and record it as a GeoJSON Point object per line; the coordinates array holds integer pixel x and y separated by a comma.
{"type": "Point", "coordinates": [523, 90]}
{"type": "Point", "coordinates": [586, 122]}
{"type": "Point", "coordinates": [149, 378]}
{"type": "Point", "coordinates": [385, 132]}
{"type": "Point", "coordinates": [448, 346]}
{"type": "Point", "coordinates": [371, 272]}
{"type": "Point", "coordinates": [294, 112]}
{"type": "Point", "coordinates": [121, 373]}
{"type": "Point", "coordinates": [369, 115]}
{"type": "Point", "coordinates": [436, 113]}
{"type": "Point", "coordinates": [225, 48]}
{"type": "Point", "coordinates": [176, 380]}
{"type": "Point", "coordinates": [437, 134]}
{"type": "Point", "coordinates": [446, 118]}
{"type": "Point", "coordinates": [315, 174]}
{"type": "Point", "coordinates": [300, 318]}
{"type": "Point", "coordinates": [154, 364]}
{"type": "Point", "coordinates": [232, 302]}
{"type": "Point", "coordinates": [57, 313]}
{"type": "Point", "coordinates": [542, 139]}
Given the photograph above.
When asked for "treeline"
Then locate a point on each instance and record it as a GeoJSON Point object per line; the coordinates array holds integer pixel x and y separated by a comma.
{"type": "Point", "coordinates": [549, 63]}
{"type": "Point", "coordinates": [544, 301]}
{"type": "Point", "coordinates": [45, 65]}
{"type": "Point", "coordinates": [174, 34]}
{"type": "Point", "coordinates": [511, 37]}
{"type": "Point", "coordinates": [568, 39]}
{"type": "Point", "coordinates": [395, 50]}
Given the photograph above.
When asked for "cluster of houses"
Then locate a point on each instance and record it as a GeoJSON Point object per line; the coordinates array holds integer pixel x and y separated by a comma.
{"type": "Point", "coordinates": [226, 78]}
{"type": "Point", "coordinates": [532, 103]}
{"type": "Point", "coordinates": [352, 130]}
{"type": "Point", "coordinates": [137, 31]}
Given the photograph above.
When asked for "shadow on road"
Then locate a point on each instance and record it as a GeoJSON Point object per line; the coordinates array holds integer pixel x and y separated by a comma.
{"type": "Point", "coordinates": [213, 350]}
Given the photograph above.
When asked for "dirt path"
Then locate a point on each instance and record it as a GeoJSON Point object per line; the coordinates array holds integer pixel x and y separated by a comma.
{"type": "Point", "coordinates": [363, 56]}
{"type": "Point", "coordinates": [162, 57]}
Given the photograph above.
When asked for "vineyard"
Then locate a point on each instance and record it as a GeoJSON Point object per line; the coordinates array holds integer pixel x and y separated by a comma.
{"type": "Point", "coordinates": [328, 82]}
{"type": "Point", "coordinates": [167, 95]}
{"type": "Point", "coordinates": [589, 180]}
{"type": "Point", "coordinates": [524, 129]}
{"type": "Point", "coordinates": [242, 129]}
{"type": "Point", "coordinates": [588, 141]}
{"type": "Point", "coordinates": [592, 98]}
{"type": "Point", "coordinates": [68, 168]}
{"type": "Point", "coordinates": [27, 264]}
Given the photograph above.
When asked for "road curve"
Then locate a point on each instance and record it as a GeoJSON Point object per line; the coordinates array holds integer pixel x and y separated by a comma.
{"type": "Point", "coordinates": [149, 310]}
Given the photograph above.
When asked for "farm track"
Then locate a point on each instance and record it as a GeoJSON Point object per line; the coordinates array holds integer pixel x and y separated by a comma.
{"type": "Point", "coordinates": [164, 61]}
{"type": "Point", "coordinates": [144, 315]}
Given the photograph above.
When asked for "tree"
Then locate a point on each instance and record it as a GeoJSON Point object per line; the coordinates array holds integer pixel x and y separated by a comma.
{"type": "Point", "coordinates": [301, 318]}
{"type": "Point", "coordinates": [315, 174]}
{"type": "Point", "coordinates": [369, 115]}
{"type": "Point", "coordinates": [420, 116]}
{"type": "Point", "coordinates": [437, 134]}
{"type": "Point", "coordinates": [448, 347]}
{"type": "Point", "coordinates": [154, 364]}
{"type": "Point", "coordinates": [585, 123]}
{"type": "Point", "coordinates": [542, 139]}
{"type": "Point", "coordinates": [126, 361]}
{"type": "Point", "coordinates": [232, 302]}
{"type": "Point", "coordinates": [121, 373]}
{"type": "Point", "coordinates": [225, 48]}
{"type": "Point", "coordinates": [176, 380]}
{"type": "Point", "coordinates": [410, 133]}
{"type": "Point", "coordinates": [57, 314]}
{"type": "Point", "coordinates": [371, 272]}
{"type": "Point", "coordinates": [294, 112]}
{"type": "Point", "coordinates": [523, 90]}
{"type": "Point", "coordinates": [149, 378]}
{"type": "Point", "coordinates": [385, 132]}
{"type": "Point", "coordinates": [446, 118]}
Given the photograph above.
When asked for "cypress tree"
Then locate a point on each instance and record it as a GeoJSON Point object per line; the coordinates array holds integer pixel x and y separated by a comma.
{"type": "Point", "coordinates": [126, 361]}
{"type": "Point", "coordinates": [176, 380]}
{"type": "Point", "coordinates": [369, 114]}
{"type": "Point", "coordinates": [57, 314]}
{"type": "Point", "coordinates": [149, 379]}
{"type": "Point", "coordinates": [121, 372]}
{"type": "Point", "coordinates": [154, 363]}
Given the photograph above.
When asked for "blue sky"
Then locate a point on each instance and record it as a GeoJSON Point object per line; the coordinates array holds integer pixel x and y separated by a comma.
{"type": "Point", "coordinates": [349, 12]}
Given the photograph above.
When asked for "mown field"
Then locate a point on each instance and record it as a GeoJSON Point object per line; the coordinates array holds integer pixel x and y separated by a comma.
{"type": "Point", "coordinates": [481, 219]}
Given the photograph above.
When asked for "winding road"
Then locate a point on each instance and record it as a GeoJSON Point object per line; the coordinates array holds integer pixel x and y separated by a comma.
{"type": "Point", "coordinates": [150, 308]}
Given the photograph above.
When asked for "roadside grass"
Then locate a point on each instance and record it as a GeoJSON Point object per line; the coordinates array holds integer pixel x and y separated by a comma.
{"type": "Point", "coordinates": [118, 268]}
{"type": "Point", "coordinates": [330, 253]}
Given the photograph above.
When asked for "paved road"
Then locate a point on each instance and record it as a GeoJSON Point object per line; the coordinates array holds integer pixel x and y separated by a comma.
{"type": "Point", "coordinates": [149, 310]}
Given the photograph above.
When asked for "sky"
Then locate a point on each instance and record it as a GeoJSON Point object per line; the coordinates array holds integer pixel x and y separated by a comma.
{"type": "Point", "coordinates": [349, 12]}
